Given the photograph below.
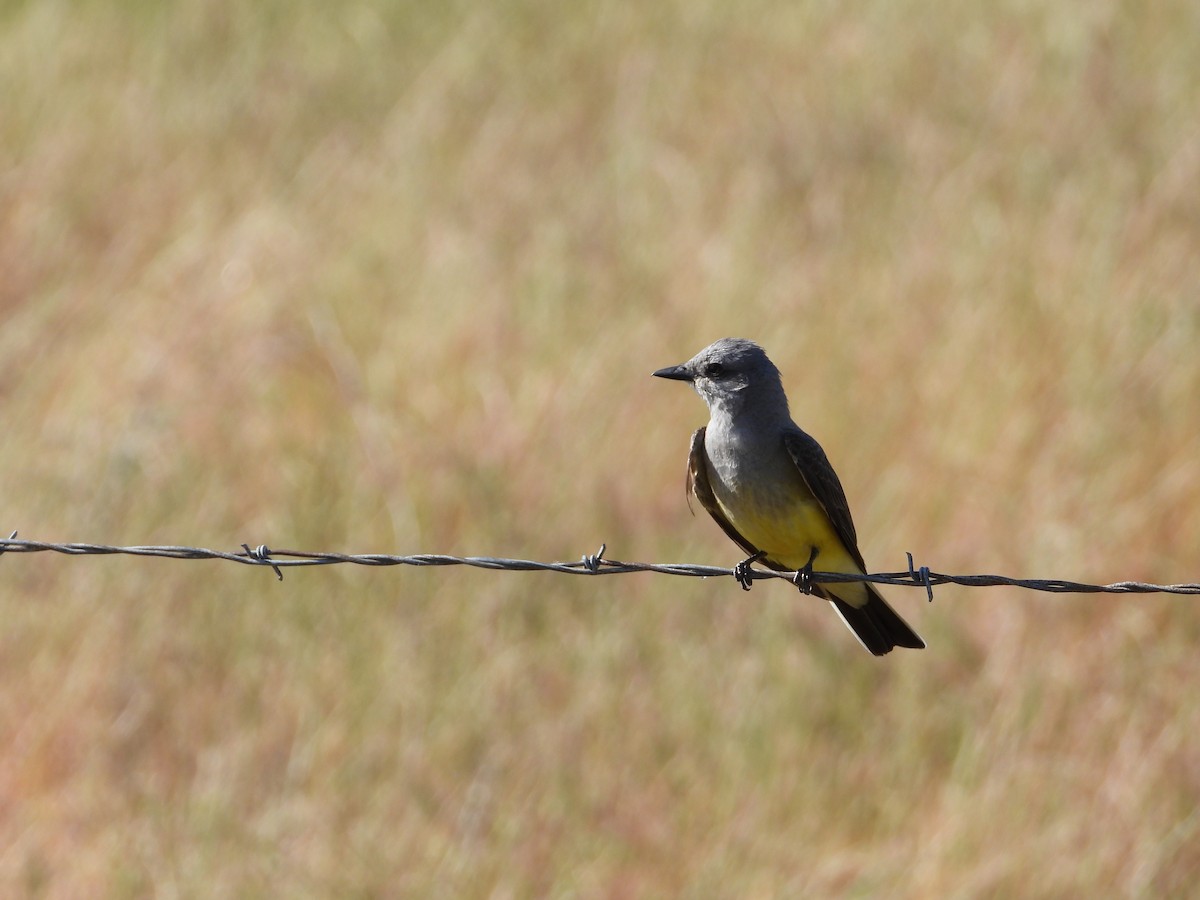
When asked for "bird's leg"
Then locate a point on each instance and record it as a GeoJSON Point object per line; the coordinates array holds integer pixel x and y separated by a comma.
{"type": "Point", "coordinates": [803, 579]}
{"type": "Point", "coordinates": [742, 570]}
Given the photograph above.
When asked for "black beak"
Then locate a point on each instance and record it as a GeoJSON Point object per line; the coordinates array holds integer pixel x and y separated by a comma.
{"type": "Point", "coordinates": [675, 373]}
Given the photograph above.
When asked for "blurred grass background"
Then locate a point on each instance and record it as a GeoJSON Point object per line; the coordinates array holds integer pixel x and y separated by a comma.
{"type": "Point", "coordinates": [392, 277]}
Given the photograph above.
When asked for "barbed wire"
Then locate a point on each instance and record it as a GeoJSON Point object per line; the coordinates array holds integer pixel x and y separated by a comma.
{"type": "Point", "coordinates": [590, 564]}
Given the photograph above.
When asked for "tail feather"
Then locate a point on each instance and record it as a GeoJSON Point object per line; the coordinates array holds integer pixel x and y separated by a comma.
{"type": "Point", "coordinates": [877, 626]}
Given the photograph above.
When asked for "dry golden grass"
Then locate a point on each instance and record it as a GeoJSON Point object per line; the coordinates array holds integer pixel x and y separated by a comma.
{"type": "Point", "coordinates": [392, 278]}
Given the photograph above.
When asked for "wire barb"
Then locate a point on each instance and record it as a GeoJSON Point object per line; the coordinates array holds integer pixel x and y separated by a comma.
{"type": "Point", "coordinates": [11, 537]}
{"type": "Point", "coordinates": [281, 559]}
{"type": "Point", "coordinates": [262, 554]}
{"type": "Point", "coordinates": [592, 562]}
{"type": "Point", "coordinates": [920, 576]}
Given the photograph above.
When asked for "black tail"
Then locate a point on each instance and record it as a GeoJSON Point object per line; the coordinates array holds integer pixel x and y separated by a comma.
{"type": "Point", "coordinates": [877, 626]}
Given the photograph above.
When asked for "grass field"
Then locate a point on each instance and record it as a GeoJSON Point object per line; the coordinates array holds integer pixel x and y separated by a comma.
{"type": "Point", "coordinates": [392, 278]}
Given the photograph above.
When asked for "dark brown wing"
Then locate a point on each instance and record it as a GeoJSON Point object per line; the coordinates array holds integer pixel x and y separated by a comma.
{"type": "Point", "coordinates": [697, 484]}
{"type": "Point", "coordinates": [818, 474]}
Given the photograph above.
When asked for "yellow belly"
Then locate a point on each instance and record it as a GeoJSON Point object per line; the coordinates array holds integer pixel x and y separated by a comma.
{"type": "Point", "coordinates": [788, 530]}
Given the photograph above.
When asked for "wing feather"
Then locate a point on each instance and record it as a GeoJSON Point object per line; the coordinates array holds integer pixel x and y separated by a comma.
{"type": "Point", "coordinates": [823, 482]}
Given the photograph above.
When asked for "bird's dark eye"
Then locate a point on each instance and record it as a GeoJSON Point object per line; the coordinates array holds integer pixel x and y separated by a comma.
{"type": "Point", "coordinates": [714, 370]}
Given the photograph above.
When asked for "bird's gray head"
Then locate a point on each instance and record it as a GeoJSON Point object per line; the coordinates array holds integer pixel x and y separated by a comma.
{"type": "Point", "coordinates": [733, 376]}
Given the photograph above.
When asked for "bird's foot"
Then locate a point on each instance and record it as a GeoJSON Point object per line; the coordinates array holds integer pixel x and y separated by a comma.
{"type": "Point", "coordinates": [803, 579]}
{"type": "Point", "coordinates": [742, 571]}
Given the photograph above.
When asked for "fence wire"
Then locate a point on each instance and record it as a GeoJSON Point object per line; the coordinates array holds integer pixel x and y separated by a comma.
{"type": "Point", "coordinates": [589, 564]}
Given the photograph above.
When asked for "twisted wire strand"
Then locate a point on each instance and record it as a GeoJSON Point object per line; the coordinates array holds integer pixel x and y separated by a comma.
{"type": "Point", "coordinates": [589, 564]}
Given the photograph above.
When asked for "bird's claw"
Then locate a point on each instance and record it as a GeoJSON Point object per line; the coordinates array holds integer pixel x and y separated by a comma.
{"type": "Point", "coordinates": [803, 579]}
{"type": "Point", "coordinates": [742, 571]}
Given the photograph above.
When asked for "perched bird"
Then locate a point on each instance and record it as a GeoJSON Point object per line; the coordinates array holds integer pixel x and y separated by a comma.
{"type": "Point", "coordinates": [772, 490]}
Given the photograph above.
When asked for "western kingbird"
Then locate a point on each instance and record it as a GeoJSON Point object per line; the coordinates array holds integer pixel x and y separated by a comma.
{"type": "Point", "coordinates": [772, 490]}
